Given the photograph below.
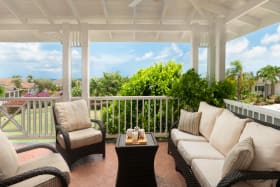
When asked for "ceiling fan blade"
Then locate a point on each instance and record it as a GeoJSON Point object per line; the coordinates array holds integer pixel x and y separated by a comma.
{"type": "Point", "coordinates": [134, 3]}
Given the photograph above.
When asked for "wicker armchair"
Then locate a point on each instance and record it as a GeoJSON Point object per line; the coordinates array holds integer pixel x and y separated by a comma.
{"type": "Point", "coordinates": [49, 170]}
{"type": "Point", "coordinates": [76, 134]}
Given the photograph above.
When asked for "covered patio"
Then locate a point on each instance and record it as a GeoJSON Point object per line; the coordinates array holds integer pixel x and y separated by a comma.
{"type": "Point", "coordinates": [204, 23]}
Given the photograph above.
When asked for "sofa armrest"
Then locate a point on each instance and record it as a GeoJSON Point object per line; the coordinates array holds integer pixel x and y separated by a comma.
{"type": "Point", "coordinates": [238, 176]}
{"type": "Point", "coordinates": [36, 172]}
{"type": "Point", "coordinates": [36, 146]}
{"type": "Point", "coordinates": [101, 126]}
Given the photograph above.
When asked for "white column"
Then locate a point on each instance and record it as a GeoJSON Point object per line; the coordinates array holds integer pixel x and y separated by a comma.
{"type": "Point", "coordinates": [211, 54]}
{"type": "Point", "coordinates": [66, 67]}
{"type": "Point", "coordinates": [85, 62]}
{"type": "Point", "coordinates": [194, 48]}
{"type": "Point", "coordinates": [220, 49]}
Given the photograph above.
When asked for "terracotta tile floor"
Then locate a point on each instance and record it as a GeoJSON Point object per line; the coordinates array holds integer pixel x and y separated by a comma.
{"type": "Point", "coordinates": [94, 171]}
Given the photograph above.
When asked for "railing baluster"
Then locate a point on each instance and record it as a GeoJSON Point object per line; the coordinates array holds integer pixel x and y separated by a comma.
{"type": "Point", "coordinates": [160, 116]}
{"type": "Point", "coordinates": [166, 115]}
{"type": "Point", "coordinates": [149, 114]}
{"type": "Point", "coordinates": [155, 115]}
{"type": "Point", "coordinates": [119, 113]}
{"type": "Point", "coordinates": [124, 114]}
{"type": "Point", "coordinates": [28, 118]}
{"type": "Point", "coordinates": [40, 117]}
{"type": "Point", "coordinates": [143, 106]}
{"type": "Point", "coordinates": [137, 112]}
{"type": "Point", "coordinates": [131, 112]}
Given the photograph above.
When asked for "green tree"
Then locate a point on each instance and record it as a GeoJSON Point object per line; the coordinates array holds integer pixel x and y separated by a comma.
{"type": "Point", "coordinates": [17, 82]}
{"type": "Point", "coordinates": [155, 80]}
{"type": "Point", "coordinates": [269, 73]}
{"type": "Point", "coordinates": [191, 89]}
{"type": "Point", "coordinates": [2, 91]}
{"type": "Point", "coordinates": [44, 84]}
{"type": "Point", "coordinates": [30, 78]}
{"type": "Point", "coordinates": [235, 72]}
{"type": "Point", "coordinates": [108, 85]}
{"type": "Point", "coordinates": [76, 91]}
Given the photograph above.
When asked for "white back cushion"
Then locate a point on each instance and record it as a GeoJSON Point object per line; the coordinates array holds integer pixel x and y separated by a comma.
{"type": "Point", "coordinates": [227, 131]}
{"type": "Point", "coordinates": [267, 149]}
{"type": "Point", "coordinates": [208, 118]}
{"type": "Point", "coordinates": [73, 115]}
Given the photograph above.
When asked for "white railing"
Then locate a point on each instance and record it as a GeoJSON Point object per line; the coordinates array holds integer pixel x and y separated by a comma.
{"type": "Point", "coordinates": [29, 117]}
{"type": "Point", "coordinates": [154, 113]}
{"type": "Point", "coordinates": [33, 118]}
{"type": "Point", "coordinates": [253, 111]}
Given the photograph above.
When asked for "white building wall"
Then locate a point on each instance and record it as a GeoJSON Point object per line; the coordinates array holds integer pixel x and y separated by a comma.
{"type": "Point", "coordinates": [277, 88]}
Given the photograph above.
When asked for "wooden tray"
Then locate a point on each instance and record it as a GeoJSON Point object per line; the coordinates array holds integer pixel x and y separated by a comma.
{"type": "Point", "coordinates": [141, 141]}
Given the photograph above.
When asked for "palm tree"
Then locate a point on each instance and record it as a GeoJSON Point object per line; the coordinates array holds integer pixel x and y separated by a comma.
{"type": "Point", "coordinates": [235, 72]}
{"type": "Point", "coordinates": [269, 73]}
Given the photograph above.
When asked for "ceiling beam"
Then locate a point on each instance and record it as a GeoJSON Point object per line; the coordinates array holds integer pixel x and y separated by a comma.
{"type": "Point", "coordinates": [14, 10]}
{"type": "Point", "coordinates": [103, 27]}
{"type": "Point", "coordinates": [250, 20]}
{"type": "Point", "coordinates": [165, 4]}
{"type": "Point", "coordinates": [44, 10]}
{"type": "Point", "coordinates": [105, 10]}
{"type": "Point", "coordinates": [134, 15]}
{"type": "Point", "coordinates": [214, 7]}
{"type": "Point", "coordinates": [197, 7]}
{"type": "Point", "coordinates": [74, 10]}
{"type": "Point", "coordinates": [236, 14]}
{"type": "Point", "coordinates": [272, 7]}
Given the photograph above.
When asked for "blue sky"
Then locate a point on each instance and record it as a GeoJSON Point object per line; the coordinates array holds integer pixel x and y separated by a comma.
{"type": "Point", "coordinates": [44, 60]}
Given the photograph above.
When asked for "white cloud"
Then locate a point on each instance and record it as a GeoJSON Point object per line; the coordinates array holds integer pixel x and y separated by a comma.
{"type": "Point", "coordinates": [237, 46]}
{"type": "Point", "coordinates": [30, 58]}
{"type": "Point", "coordinates": [256, 51]}
{"type": "Point", "coordinates": [271, 38]}
{"type": "Point", "coordinates": [146, 56]}
{"type": "Point", "coordinates": [172, 51]}
{"type": "Point", "coordinates": [275, 50]}
{"type": "Point", "coordinates": [176, 49]}
{"type": "Point", "coordinates": [109, 59]}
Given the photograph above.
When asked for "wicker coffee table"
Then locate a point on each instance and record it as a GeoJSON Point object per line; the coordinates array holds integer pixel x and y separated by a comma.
{"type": "Point", "coordinates": [136, 162]}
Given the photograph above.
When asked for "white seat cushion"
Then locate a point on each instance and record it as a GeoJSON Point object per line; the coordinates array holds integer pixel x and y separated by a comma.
{"type": "Point", "coordinates": [192, 150]}
{"type": "Point", "coordinates": [53, 160]}
{"type": "Point", "coordinates": [177, 135]}
{"type": "Point", "coordinates": [227, 131]}
{"type": "Point", "coordinates": [208, 172]}
{"type": "Point", "coordinates": [208, 118]}
{"type": "Point", "coordinates": [267, 150]}
{"type": "Point", "coordinates": [73, 115]}
{"type": "Point", "coordinates": [80, 138]}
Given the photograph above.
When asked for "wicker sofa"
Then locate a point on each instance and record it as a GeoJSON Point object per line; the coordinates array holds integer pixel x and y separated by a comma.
{"type": "Point", "coordinates": [201, 158]}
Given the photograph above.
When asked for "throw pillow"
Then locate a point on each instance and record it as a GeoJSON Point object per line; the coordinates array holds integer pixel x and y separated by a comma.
{"type": "Point", "coordinates": [189, 122]}
{"type": "Point", "coordinates": [239, 157]}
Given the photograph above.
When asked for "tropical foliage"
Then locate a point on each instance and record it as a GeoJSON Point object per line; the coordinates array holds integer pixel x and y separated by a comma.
{"type": "Point", "coordinates": [191, 89]}
{"type": "Point", "coordinates": [154, 80]}
{"type": "Point", "coordinates": [269, 73]}
{"type": "Point", "coordinates": [108, 85]}
{"type": "Point", "coordinates": [2, 91]}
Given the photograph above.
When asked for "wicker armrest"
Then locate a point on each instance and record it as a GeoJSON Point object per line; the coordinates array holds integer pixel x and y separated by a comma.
{"type": "Point", "coordinates": [101, 126]}
{"type": "Point", "coordinates": [237, 176]}
{"type": "Point", "coordinates": [35, 172]}
{"type": "Point", "coordinates": [36, 146]}
{"type": "Point", "coordinates": [65, 134]}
